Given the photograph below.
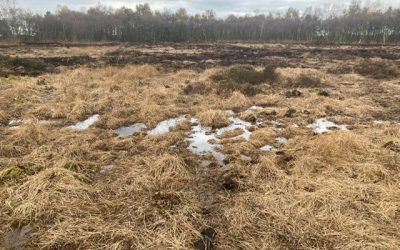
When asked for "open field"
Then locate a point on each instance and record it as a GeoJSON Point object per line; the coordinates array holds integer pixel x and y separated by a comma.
{"type": "Point", "coordinates": [183, 146]}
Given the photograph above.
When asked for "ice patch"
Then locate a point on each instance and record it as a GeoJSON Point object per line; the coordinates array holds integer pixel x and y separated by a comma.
{"type": "Point", "coordinates": [165, 126]}
{"type": "Point", "coordinates": [15, 239]}
{"type": "Point", "coordinates": [86, 123]}
{"type": "Point", "coordinates": [130, 130]}
{"type": "Point", "coordinates": [322, 125]}
{"type": "Point", "coordinates": [237, 123]}
{"type": "Point", "coordinates": [267, 148]}
{"type": "Point", "coordinates": [104, 169]}
{"type": "Point", "coordinates": [276, 123]}
{"type": "Point", "coordinates": [281, 140]}
{"type": "Point", "coordinates": [200, 138]}
{"type": "Point", "coordinates": [254, 108]}
{"type": "Point", "coordinates": [19, 122]}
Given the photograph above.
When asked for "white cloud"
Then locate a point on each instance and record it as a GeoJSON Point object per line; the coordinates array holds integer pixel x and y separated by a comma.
{"type": "Point", "coordinates": [222, 7]}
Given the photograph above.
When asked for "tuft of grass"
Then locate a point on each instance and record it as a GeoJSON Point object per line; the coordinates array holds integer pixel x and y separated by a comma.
{"type": "Point", "coordinates": [214, 118]}
{"type": "Point", "coordinates": [244, 78]}
{"type": "Point", "coordinates": [340, 69]}
{"type": "Point", "coordinates": [304, 81]}
{"type": "Point", "coordinates": [12, 173]}
{"type": "Point", "coordinates": [197, 88]}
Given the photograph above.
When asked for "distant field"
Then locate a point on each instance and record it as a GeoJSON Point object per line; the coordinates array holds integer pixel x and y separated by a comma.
{"type": "Point", "coordinates": [183, 146]}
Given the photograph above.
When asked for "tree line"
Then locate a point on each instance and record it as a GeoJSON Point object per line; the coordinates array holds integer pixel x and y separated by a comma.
{"type": "Point", "coordinates": [356, 24]}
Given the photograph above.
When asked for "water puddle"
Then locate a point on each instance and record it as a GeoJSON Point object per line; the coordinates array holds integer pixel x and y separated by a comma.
{"type": "Point", "coordinates": [203, 141]}
{"type": "Point", "coordinates": [17, 123]}
{"type": "Point", "coordinates": [237, 123]}
{"type": "Point", "coordinates": [15, 239]}
{"type": "Point", "coordinates": [165, 126]}
{"type": "Point", "coordinates": [130, 130]}
{"type": "Point", "coordinates": [281, 140]}
{"type": "Point", "coordinates": [322, 125]}
{"type": "Point", "coordinates": [86, 123]}
{"type": "Point", "coordinates": [254, 109]}
{"type": "Point", "coordinates": [267, 148]}
{"type": "Point", "coordinates": [200, 143]}
{"type": "Point", "coordinates": [277, 124]}
{"type": "Point", "coordinates": [105, 169]}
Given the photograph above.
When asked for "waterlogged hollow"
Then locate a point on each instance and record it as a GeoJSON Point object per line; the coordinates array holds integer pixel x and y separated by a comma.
{"type": "Point", "coordinates": [267, 148]}
{"type": "Point", "coordinates": [201, 136]}
{"type": "Point", "coordinates": [322, 125]}
{"type": "Point", "coordinates": [200, 145]}
{"type": "Point", "coordinates": [86, 123]}
{"type": "Point", "coordinates": [165, 126]}
{"type": "Point", "coordinates": [130, 130]}
{"type": "Point", "coordinates": [281, 140]}
{"type": "Point", "coordinates": [15, 239]}
{"type": "Point", "coordinates": [254, 108]}
{"type": "Point", "coordinates": [17, 123]}
{"type": "Point", "coordinates": [105, 169]}
{"type": "Point", "coordinates": [237, 123]}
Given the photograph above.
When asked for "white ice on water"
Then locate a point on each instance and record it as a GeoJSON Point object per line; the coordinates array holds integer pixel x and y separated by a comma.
{"type": "Point", "coordinates": [281, 140]}
{"type": "Point", "coordinates": [267, 148]}
{"type": "Point", "coordinates": [322, 125]}
{"type": "Point", "coordinates": [237, 123]}
{"type": "Point", "coordinates": [130, 130]}
{"type": "Point", "coordinates": [165, 126]}
{"type": "Point", "coordinates": [86, 123]}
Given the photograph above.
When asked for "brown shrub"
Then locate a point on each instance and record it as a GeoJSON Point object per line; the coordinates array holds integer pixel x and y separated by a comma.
{"type": "Point", "coordinates": [244, 78]}
{"type": "Point", "coordinates": [377, 68]}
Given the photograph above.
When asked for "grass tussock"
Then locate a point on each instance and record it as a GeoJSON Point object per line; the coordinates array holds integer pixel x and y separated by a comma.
{"type": "Point", "coordinates": [214, 118]}
{"type": "Point", "coordinates": [246, 74]}
{"type": "Point", "coordinates": [35, 198]}
{"type": "Point", "coordinates": [197, 88]}
{"type": "Point", "coordinates": [305, 81]}
{"type": "Point", "coordinates": [3, 117]}
{"type": "Point", "coordinates": [169, 170]}
{"type": "Point", "coordinates": [237, 101]}
{"type": "Point", "coordinates": [244, 78]}
{"type": "Point", "coordinates": [377, 68]}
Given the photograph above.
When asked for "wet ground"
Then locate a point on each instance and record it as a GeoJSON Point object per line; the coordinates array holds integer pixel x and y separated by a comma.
{"type": "Point", "coordinates": [94, 151]}
{"type": "Point", "coordinates": [39, 59]}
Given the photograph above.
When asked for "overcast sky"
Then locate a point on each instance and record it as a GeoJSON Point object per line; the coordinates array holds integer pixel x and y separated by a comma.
{"type": "Point", "coordinates": [222, 7]}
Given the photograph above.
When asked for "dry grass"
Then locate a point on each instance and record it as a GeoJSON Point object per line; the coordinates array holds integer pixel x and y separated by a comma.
{"type": "Point", "coordinates": [214, 118]}
{"type": "Point", "coordinates": [338, 190]}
